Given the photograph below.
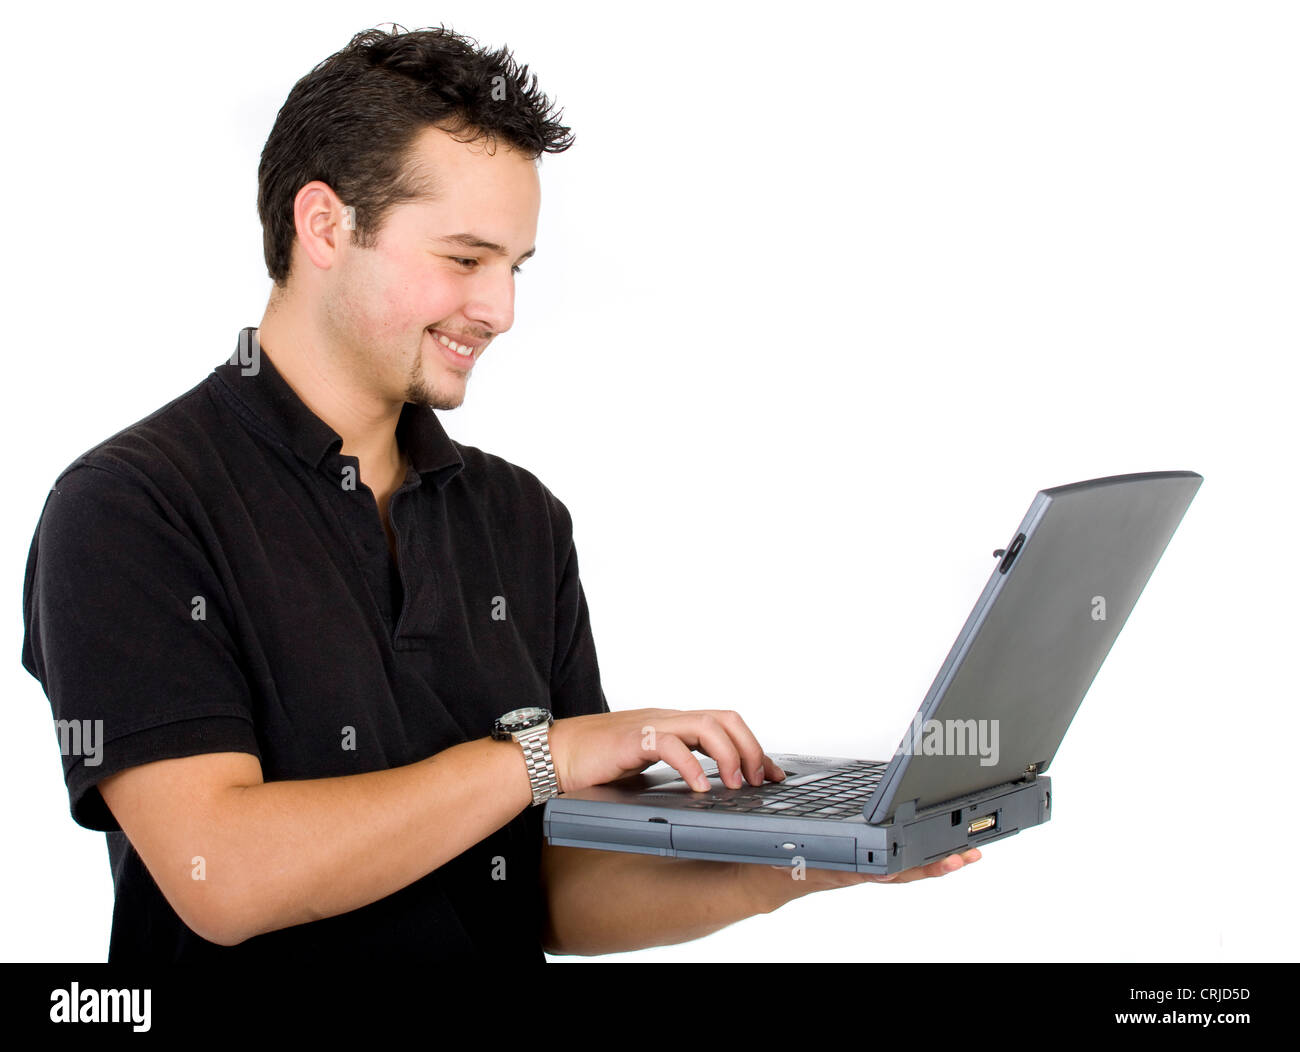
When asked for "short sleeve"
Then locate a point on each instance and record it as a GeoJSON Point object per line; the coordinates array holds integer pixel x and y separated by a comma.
{"type": "Point", "coordinates": [127, 628]}
{"type": "Point", "coordinates": [575, 672]}
{"type": "Point", "coordinates": [575, 678]}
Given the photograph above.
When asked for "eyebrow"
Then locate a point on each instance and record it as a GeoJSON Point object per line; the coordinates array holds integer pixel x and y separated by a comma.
{"type": "Point", "coordinates": [474, 241]}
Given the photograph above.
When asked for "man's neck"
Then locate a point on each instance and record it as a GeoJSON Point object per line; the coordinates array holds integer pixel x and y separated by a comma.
{"type": "Point", "coordinates": [367, 425]}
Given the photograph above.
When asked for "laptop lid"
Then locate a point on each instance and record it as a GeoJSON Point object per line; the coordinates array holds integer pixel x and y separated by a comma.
{"type": "Point", "coordinates": [1021, 665]}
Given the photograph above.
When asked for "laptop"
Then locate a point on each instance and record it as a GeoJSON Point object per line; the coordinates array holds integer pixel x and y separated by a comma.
{"type": "Point", "coordinates": [971, 767]}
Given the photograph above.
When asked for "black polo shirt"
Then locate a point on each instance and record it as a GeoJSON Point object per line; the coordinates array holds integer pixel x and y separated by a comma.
{"type": "Point", "coordinates": [215, 578]}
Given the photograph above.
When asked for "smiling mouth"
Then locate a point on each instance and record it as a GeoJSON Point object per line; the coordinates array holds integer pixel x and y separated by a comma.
{"type": "Point", "coordinates": [460, 349]}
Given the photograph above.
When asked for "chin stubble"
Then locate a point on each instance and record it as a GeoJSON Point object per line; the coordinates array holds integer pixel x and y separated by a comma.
{"type": "Point", "coordinates": [421, 394]}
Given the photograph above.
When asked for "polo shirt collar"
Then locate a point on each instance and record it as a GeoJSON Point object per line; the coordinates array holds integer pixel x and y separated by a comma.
{"type": "Point", "coordinates": [267, 394]}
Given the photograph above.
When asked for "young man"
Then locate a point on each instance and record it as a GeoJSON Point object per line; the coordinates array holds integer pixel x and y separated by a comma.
{"type": "Point", "coordinates": [284, 613]}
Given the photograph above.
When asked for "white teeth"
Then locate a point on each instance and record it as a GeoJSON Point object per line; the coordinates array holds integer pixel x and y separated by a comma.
{"type": "Point", "coordinates": [464, 352]}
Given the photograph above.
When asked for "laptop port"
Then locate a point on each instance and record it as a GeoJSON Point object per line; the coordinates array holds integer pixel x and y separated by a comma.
{"type": "Point", "coordinates": [982, 825]}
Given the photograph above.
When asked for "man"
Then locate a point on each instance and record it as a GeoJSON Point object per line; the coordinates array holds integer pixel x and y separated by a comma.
{"type": "Point", "coordinates": [287, 610]}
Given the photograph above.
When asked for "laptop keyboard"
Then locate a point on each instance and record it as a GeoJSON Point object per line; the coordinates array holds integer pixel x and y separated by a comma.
{"type": "Point", "coordinates": [839, 793]}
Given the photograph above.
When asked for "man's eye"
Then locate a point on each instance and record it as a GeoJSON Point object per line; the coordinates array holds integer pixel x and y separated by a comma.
{"type": "Point", "coordinates": [470, 264]}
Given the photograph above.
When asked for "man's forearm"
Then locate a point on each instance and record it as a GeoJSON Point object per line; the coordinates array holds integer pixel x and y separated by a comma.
{"type": "Point", "coordinates": [298, 851]}
{"type": "Point", "coordinates": [612, 901]}
{"type": "Point", "coordinates": [609, 901]}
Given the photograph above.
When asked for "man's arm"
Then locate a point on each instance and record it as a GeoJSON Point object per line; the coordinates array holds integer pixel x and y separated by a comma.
{"type": "Point", "coordinates": [276, 854]}
{"type": "Point", "coordinates": [281, 853]}
{"type": "Point", "coordinates": [612, 901]}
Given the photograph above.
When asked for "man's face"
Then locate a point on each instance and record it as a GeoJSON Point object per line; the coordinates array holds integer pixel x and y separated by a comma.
{"type": "Point", "coordinates": [441, 270]}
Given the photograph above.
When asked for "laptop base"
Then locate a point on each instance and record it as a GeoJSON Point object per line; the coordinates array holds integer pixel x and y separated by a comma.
{"type": "Point", "coordinates": [910, 838]}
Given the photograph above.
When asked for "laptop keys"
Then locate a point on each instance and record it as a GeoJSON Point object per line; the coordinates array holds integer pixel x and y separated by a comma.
{"type": "Point", "coordinates": [822, 794]}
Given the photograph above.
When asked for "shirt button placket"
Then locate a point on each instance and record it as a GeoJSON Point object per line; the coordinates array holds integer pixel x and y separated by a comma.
{"type": "Point", "coordinates": [362, 519]}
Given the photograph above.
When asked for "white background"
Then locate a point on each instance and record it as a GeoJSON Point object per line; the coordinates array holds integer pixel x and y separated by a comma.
{"type": "Point", "coordinates": [823, 294]}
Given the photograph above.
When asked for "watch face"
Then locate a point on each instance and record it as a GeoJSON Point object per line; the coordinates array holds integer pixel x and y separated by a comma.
{"type": "Point", "coordinates": [519, 719]}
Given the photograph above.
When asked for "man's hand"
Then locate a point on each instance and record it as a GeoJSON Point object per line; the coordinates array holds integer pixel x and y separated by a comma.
{"type": "Point", "coordinates": [935, 869]}
{"type": "Point", "coordinates": [593, 750]}
{"type": "Point", "coordinates": [775, 885]}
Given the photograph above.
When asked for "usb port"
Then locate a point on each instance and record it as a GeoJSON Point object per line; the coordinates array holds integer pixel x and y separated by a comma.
{"type": "Point", "coordinates": [982, 825]}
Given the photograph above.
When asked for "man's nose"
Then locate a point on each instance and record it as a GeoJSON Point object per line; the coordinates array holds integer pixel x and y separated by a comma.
{"type": "Point", "coordinates": [492, 304]}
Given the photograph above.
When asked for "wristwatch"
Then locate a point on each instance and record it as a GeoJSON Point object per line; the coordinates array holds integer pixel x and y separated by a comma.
{"type": "Point", "coordinates": [529, 727]}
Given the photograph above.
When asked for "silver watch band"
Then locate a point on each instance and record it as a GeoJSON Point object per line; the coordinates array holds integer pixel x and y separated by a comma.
{"type": "Point", "coordinates": [541, 768]}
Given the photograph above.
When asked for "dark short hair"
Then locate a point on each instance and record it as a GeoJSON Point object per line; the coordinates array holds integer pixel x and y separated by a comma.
{"type": "Point", "coordinates": [351, 121]}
